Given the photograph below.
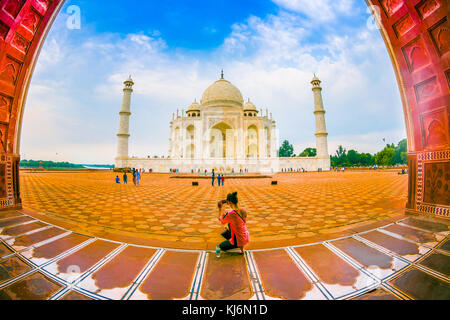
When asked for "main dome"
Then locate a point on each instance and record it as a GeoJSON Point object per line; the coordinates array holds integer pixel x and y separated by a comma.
{"type": "Point", "coordinates": [222, 93]}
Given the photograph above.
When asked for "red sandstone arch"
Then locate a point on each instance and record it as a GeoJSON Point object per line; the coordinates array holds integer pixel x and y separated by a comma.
{"type": "Point", "coordinates": [416, 33]}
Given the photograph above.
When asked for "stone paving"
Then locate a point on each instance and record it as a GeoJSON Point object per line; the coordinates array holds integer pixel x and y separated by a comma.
{"type": "Point", "coordinates": [408, 259]}
{"type": "Point", "coordinates": [171, 213]}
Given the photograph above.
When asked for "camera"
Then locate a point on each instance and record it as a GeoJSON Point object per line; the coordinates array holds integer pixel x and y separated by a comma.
{"type": "Point", "coordinates": [221, 203]}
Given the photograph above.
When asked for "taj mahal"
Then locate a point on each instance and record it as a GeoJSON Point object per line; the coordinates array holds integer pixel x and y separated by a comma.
{"type": "Point", "coordinates": [225, 133]}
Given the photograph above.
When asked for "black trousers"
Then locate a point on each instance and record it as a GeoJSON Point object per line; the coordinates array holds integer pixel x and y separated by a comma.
{"type": "Point", "coordinates": [226, 245]}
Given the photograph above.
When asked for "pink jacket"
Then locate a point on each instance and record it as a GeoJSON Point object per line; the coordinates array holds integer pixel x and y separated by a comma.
{"type": "Point", "coordinates": [238, 227]}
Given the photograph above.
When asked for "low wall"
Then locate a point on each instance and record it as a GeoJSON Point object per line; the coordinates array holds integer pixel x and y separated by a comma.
{"type": "Point", "coordinates": [265, 166]}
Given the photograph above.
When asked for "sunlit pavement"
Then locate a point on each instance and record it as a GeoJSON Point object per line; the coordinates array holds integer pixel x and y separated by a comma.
{"type": "Point", "coordinates": [302, 208]}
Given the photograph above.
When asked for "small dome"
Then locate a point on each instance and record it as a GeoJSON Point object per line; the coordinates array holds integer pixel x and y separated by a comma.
{"type": "Point", "coordinates": [222, 93]}
{"type": "Point", "coordinates": [195, 106]}
{"type": "Point", "coordinates": [249, 106]}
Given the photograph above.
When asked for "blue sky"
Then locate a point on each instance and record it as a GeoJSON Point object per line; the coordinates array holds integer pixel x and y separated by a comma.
{"type": "Point", "coordinates": [175, 49]}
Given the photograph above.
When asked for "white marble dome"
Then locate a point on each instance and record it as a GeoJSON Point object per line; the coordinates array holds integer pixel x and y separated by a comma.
{"type": "Point", "coordinates": [222, 93]}
{"type": "Point", "coordinates": [249, 106]}
{"type": "Point", "coordinates": [195, 106]}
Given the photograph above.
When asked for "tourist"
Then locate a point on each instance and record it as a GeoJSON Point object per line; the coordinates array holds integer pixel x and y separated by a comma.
{"type": "Point", "coordinates": [222, 178]}
{"type": "Point", "coordinates": [138, 177]}
{"type": "Point", "coordinates": [218, 179]}
{"type": "Point", "coordinates": [213, 177]}
{"type": "Point", "coordinates": [117, 179]}
{"type": "Point", "coordinates": [236, 235]}
{"type": "Point", "coordinates": [134, 176]}
{"type": "Point", "coordinates": [125, 178]}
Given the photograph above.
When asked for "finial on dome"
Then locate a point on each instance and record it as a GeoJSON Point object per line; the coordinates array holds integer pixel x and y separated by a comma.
{"type": "Point", "coordinates": [222, 75]}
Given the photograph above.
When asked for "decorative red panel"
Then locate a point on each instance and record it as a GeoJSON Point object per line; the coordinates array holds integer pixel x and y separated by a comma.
{"type": "Point", "coordinates": [20, 43]}
{"type": "Point", "coordinates": [427, 90]}
{"type": "Point", "coordinates": [437, 183]}
{"type": "Point", "coordinates": [5, 108]}
{"type": "Point", "coordinates": [9, 70]}
{"type": "Point", "coordinates": [13, 7]}
{"type": "Point", "coordinates": [440, 34]}
{"type": "Point", "coordinates": [31, 21]}
{"type": "Point", "coordinates": [433, 126]}
{"type": "Point", "coordinates": [404, 25]}
{"type": "Point", "coordinates": [391, 6]}
{"type": "Point", "coordinates": [416, 55]}
{"type": "Point", "coordinates": [427, 7]}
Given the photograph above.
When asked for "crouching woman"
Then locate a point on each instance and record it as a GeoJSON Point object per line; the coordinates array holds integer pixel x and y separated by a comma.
{"type": "Point", "coordinates": [236, 235]}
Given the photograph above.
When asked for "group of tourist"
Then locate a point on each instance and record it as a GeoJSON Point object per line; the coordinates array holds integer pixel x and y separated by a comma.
{"type": "Point", "coordinates": [220, 179]}
{"type": "Point", "coordinates": [136, 177]}
{"type": "Point", "coordinates": [293, 170]}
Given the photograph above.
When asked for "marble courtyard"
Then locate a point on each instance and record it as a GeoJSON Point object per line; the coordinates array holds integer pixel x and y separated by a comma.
{"type": "Point", "coordinates": [79, 236]}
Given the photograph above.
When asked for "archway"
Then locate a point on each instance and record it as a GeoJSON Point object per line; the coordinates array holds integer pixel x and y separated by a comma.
{"type": "Point", "coordinates": [416, 37]}
{"type": "Point", "coordinates": [221, 143]}
{"type": "Point", "coordinates": [252, 142]}
{"type": "Point", "coordinates": [190, 142]}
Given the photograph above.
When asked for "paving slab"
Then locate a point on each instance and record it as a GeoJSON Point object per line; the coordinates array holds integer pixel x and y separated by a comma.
{"type": "Point", "coordinates": [226, 278]}
{"type": "Point", "coordinates": [422, 286]}
{"type": "Point", "coordinates": [170, 279]}
{"type": "Point", "coordinates": [114, 278]}
{"type": "Point", "coordinates": [282, 278]}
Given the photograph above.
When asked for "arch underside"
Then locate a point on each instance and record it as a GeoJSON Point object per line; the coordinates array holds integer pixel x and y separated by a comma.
{"type": "Point", "coordinates": [416, 34]}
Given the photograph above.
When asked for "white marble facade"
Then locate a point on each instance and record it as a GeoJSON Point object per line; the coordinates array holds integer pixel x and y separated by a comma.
{"type": "Point", "coordinates": [224, 133]}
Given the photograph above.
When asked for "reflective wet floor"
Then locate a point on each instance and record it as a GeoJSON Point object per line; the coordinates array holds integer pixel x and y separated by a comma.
{"type": "Point", "coordinates": [406, 259]}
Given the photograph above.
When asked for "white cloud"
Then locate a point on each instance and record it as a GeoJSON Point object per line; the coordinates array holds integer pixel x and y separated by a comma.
{"type": "Point", "coordinates": [318, 10]}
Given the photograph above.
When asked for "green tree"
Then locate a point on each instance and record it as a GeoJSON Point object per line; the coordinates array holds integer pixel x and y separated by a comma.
{"type": "Point", "coordinates": [401, 152]}
{"type": "Point", "coordinates": [341, 156]}
{"type": "Point", "coordinates": [386, 157]}
{"type": "Point", "coordinates": [48, 164]}
{"type": "Point", "coordinates": [309, 152]}
{"type": "Point", "coordinates": [286, 150]}
{"type": "Point", "coordinates": [353, 157]}
{"type": "Point", "coordinates": [404, 157]}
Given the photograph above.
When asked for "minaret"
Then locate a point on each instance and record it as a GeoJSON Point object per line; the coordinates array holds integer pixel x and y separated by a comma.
{"type": "Point", "coordinates": [321, 128]}
{"type": "Point", "coordinates": [124, 125]}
